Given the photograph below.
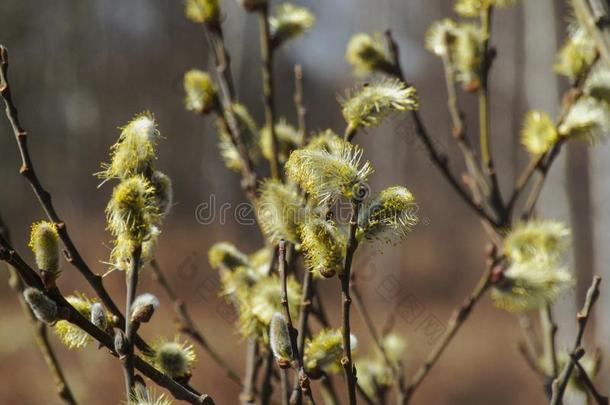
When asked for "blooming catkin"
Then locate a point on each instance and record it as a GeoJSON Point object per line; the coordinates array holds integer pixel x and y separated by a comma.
{"type": "Point", "coordinates": [43, 307]}
{"type": "Point", "coordinates": [44, 242]}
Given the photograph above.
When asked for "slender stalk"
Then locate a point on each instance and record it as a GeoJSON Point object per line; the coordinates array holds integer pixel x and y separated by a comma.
{"type": "Point", "coordinates": [267, 63]}
{"type": "Point", "coordinates": [397, 369]}
{"type": "Point", "coordinates": [549, 328]}
{"type": "Point", "coordinates": [308, 288]}
{"type": "Point", "coordinates": [130, 326]}
{"type": "Point", "coordinates": [455, 323]}
{"type": "Point", "coordinates": [267, 387]}
{"type": "Point", "coordinates": [346, 361]}
{"type": "Point", "coordinates": [302, 377]}
{"type": "Point", "coordinates": [188, 326]}
{"type": "Point", "coordinates": [224, 77]}
{"type": "Point", "coordinates": [39, 330]}
{"type": "Point", "coordinates": [561, 382]}
{"type": "Point", "coordinates": [484, 116]}
{"type": "Point", "coordinates": [600, 399]}
{"type": "Point", "coordinates": [31, 279]}
{"type": "Point", "coordinates": [299, 103]}
{"type": "Point", "coordinates": [247, 396]}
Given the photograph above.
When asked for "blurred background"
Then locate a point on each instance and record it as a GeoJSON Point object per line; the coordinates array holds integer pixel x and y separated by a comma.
{"type": "Point", "coordinates": [81, 69]}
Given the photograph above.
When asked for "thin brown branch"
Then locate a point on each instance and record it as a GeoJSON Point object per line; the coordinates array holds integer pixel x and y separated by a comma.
{"type": "Point", "coordinates": [584, 377]}
{"type": "Point", "coordinates": [396, 369]}
{"type": "Point", "coordinates": [582, 318]}
{"type": "Point", "coordinates": [187, 326]}
{"type": "Point", "coordinates": [302, 377]}
{"type": "Point", "coordinates": [131, 326]}
{"type": "Point", "coordinates": [549, 329]}
{"type": "Point", "coordinates": [455, 323]}
{"type": "Point", "coordinates": [352, 244]}
{"type": "Point", "coordinates": [299, 103]}
{"type": "Point", "coordinates": [268, 86]}
{"type": "Point", "coordinates": [484, 116]}
{"type": "Point", "coordinates": [224, 78]}
{"type": "Point", "coordinates": [247, 395]}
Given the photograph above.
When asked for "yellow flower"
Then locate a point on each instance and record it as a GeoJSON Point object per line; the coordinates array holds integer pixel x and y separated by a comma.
{"type": "Point", "coordinates": [588, 120]}
{"type": "Point", "coordinates": [576, 55]}
{"type": "Point", "coordinates": [71, 335]}
{"type": "Point", "coordinates": [441, 36]}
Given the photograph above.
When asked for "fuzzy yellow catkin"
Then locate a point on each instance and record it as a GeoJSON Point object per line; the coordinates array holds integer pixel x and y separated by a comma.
{"type": "Point", "coordinates": [536, 273]}
{"type": "Point", "coordinates": [587, 119]}
{"type": "Point", "coordinates": [474, 8]}
{"type": "Point", "coordinates": [325, 350]}
{"type": "Point", "coordinates": [288, 138]}
{"type": "Point", "coordinates": [288, 22]}
{"type": "Point", "coordinates": [135, 151]}
{"type": "Point", "coordinates": [142, 395]}
{"type": "Point", "coordinates": [538, 134]}
{"type": "Point", "coordinates": [174, 358]}
{"type": "Point", "coordinates": [391, 214]}
{"type": "Point", "coordinates": [164, 192]}
{"type": "Point", "coordinates": [44, 242]}
{"type": "Point", "coordinates": [71, 335]}
{"type": "Point", "coordinates": [200, 94]}
{"type": "Point", "coordinates": [281, 210]}
{"type": "Point", "coordinates": [131, 211]}
{"type": "Point", "coordinates": [366, 53]}
{"type": "Point", "coordinates": [324, 246]}
{"type": "Point", "coordinates": [440, 37]}
{"type": "Point", "coordinates": [367, 105]}
{"type": "Point", "coordinates": [203, 11]}
{"type": "Point", "coordinates": [328, 171]}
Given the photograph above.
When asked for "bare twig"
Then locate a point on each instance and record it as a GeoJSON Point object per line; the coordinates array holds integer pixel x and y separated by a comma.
{"type": "Point", "coordinates": [396, 369]}
{"type": "Point", "coordinates": [267, 63]}
{"type": "Point", "coordinates": [298, 102]}
{"type": "Point", "coordinates": [224, 77]}
{"type": "Point", "coordinates": [560, 383]}
{"type": "Point", "coordinates": [130, 326]}
{"type": "Point", "coordinates": [346, 361]}
{"type": "Point", "coordinates": [187, 325]}
{"type": "Point", "coordinates": [252, 363]}
{"type": "Point", "coordinates": [584, 377]}
{"type": "Point", "coordinates": [300, 370]}
{"type": "Point", "coordinates": [484, 117]}
{"type": "Point", "coordinates": [549, 329]}
{"type": "Point", "coordinates": [457, 320]}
